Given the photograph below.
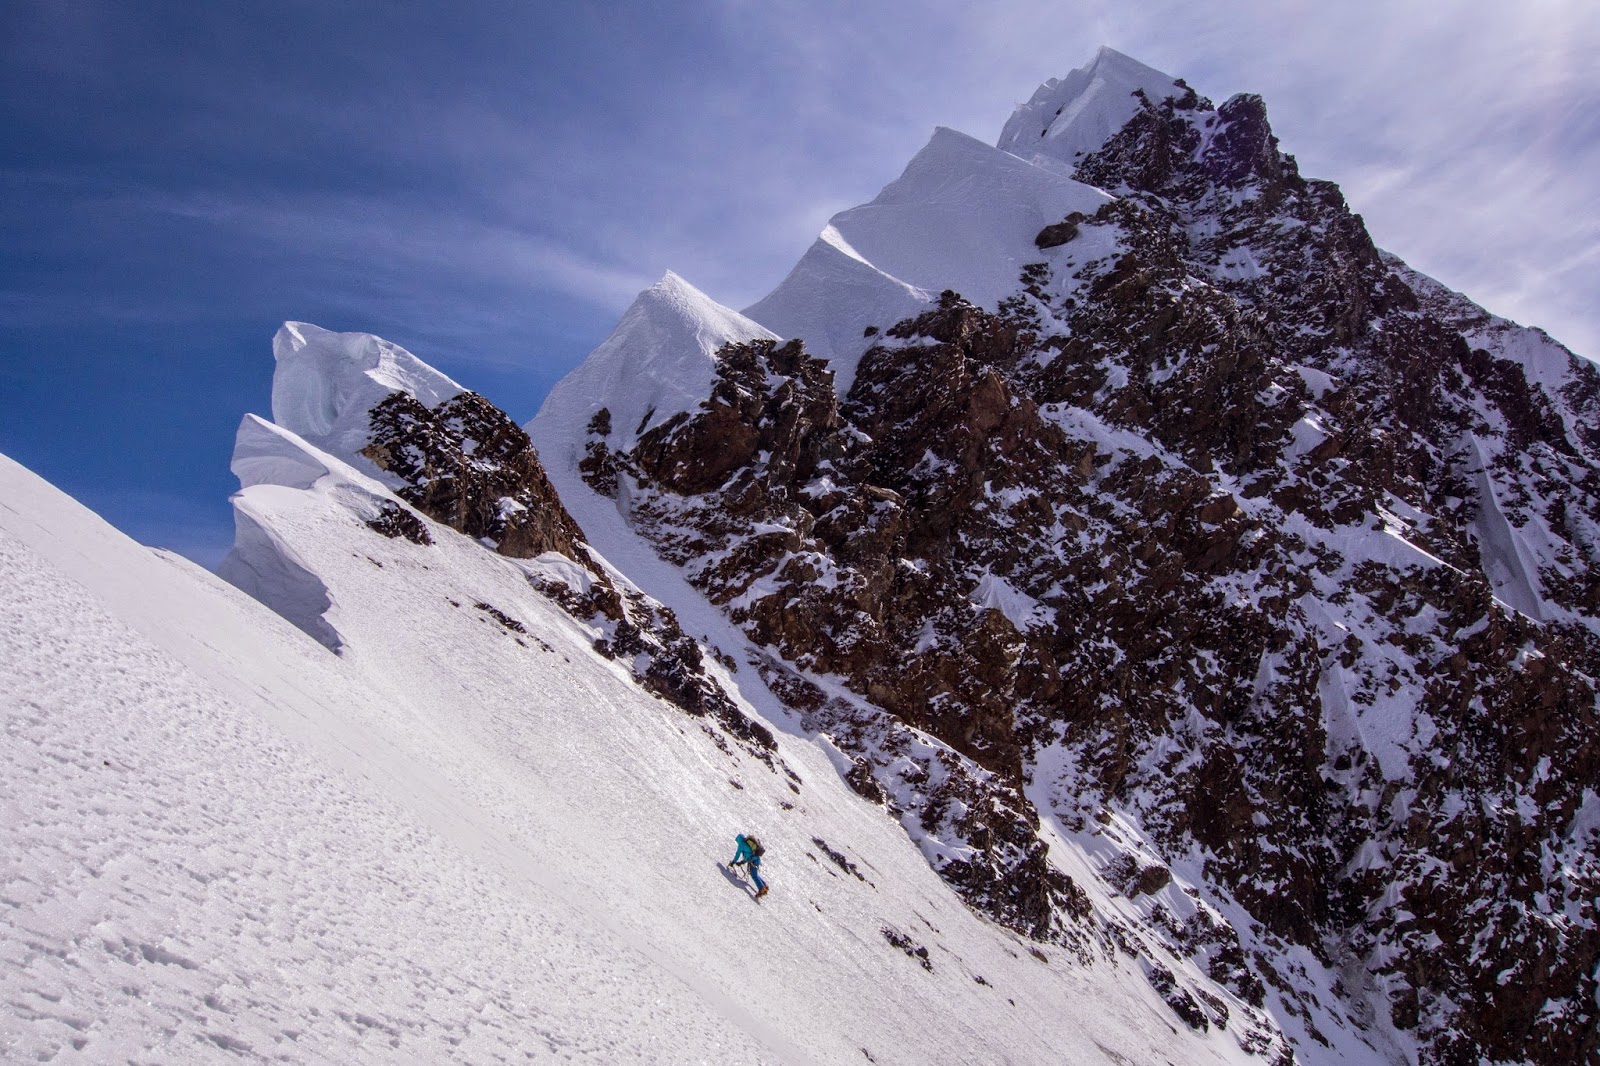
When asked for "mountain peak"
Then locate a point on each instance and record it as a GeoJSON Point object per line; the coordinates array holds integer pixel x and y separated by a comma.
{"type": "Point", "coordinates": [1069, 117]}
{"type": "Point", "coordinates": [673, 282]}
{"type": "Point", "coordinates": [325, 383]}
{"type": "Point", "coordinates": [962, 215]}
{"type": "Point", "coordinates": [1105, 465]}
{"type": "Point", "coordinates": [658, 361]}
{"type": "Point", "coordinates": [675, 304]}
{"type": "Point", "coordinates": [1109, 61]}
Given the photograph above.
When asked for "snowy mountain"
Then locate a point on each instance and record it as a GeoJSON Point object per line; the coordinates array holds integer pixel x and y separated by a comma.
{"type": "Point", "coordinates": [488, 828]}
{"type": "Point", "coordinates": [659, 362]}
{"type": "Point", "coordinates": [962, 216]}
{"type": "Point", "coordinates": [1194, 582]}
{"type": "Point", "coordinates": [1078, 114]}
{"type": "Point", "coordinates": [1145, 622]}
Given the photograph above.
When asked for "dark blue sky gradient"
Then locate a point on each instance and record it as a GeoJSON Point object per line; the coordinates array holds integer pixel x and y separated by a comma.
{"type": "Point", "coordinates": [141, 288]}
{"type": "Point", "coordinates": [489, 183]}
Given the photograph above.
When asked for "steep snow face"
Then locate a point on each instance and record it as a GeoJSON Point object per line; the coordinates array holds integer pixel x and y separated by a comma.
{"type": "Point", "coordinates": [962, 216]}
{"type": "Point", "coordinates": [1067, 118]}
{"type": "Point", "coordinates": [326, 383]}
{"type": "Point", "coordinates": [467, 838]}
{"type": "Point", "coordinates": [658, 362]}
{"type": "Point", "coordinates": [268, 454]}
{"type": "Point", "coordinates": [222, 841]}
{"type": "Point", "coordinates": [269, 460]}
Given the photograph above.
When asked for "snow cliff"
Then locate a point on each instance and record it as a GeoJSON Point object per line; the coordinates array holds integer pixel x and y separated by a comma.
{"type": "Point", "coordinates": [326, 383]}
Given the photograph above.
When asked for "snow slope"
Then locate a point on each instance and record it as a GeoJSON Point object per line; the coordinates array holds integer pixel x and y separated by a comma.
{"type": "Point", "coordinates": [962, 216]}
{"type": "Point", "coordinates": [451, 842]}
{"type": "Point", "coordinates": [213, 849]}
{"type": "Point", "coordinates": [1069, 117]}
{"type": "Point", "coordinates": [658, 361]}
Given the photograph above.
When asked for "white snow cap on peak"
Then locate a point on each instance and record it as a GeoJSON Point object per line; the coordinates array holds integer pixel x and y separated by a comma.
{"type": "Point", "coordinates": [1070, 117]}
{"type": "Point", "coordinates": [660, 360]}
{"type": "Point", "coordinates": [962, 216]}
{"type": "Point", "coordinates": [326, 382]}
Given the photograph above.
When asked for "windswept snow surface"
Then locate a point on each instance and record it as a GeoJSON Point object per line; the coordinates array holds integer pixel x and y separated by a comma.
{"type": "Point", "coordinates": [962, 216]}
{"type": "Point", "coordinates": [1069, 117]}
{"type": "Point", "coordinates": [659, 361]}
{"type": "Point", "coordinates": [1510, 560]}
{"type": "Point", "coordinates": [450, 842]}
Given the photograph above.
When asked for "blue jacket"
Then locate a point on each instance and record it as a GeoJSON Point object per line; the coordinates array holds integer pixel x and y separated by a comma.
{"type": "Point", "coordinates": [745, 855]}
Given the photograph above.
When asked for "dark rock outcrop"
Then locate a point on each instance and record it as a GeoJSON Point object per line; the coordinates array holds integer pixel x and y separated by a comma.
{"type": "Point", "coordinates": [396, 522]}
{"type": "Point", "coordinates": [468, 465]}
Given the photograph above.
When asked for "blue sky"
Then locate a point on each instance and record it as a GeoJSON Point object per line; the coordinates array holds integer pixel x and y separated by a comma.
{"type": "Point", "coordinates": [490, 183]}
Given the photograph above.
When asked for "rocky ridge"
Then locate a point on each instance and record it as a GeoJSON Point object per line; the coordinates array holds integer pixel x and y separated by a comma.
{"type": "Point", "coordinates": [468, 465]}
{"type": "Point", "coordinates": [1263, 567]}
{"type": "Point", "coordinates": [420, 450]}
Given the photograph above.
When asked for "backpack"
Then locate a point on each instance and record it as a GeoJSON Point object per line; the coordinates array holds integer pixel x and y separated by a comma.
{"type": "Point", "coordinates": [755, 847]}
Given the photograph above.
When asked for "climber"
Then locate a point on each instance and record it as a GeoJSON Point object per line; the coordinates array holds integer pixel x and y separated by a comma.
{"type": "Point", "coordinates": [749, 855]}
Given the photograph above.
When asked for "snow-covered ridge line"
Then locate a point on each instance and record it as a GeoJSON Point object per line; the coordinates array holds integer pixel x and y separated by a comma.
{"type": "Point", "coordinates": [462, 462]}
{"type": "Point", "coordinates": [962, 216]}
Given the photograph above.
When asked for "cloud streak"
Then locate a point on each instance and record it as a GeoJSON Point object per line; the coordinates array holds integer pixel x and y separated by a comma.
{"type": "Point", "coordinates": [718, 145]}
{"type": "Point", "coordinates": [395, 238]}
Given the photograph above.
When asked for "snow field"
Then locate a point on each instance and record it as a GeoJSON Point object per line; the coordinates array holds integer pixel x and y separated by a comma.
{"type": "Point", "coordinates": [184, 883]}
{"type": "Point", "coordinates": [444, 845]}
{"type": "Point", "coordinates": [612, 770]}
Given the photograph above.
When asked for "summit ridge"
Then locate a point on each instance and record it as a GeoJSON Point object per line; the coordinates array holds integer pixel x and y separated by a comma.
{"type": "Point", "coordinates": [1067, 118]}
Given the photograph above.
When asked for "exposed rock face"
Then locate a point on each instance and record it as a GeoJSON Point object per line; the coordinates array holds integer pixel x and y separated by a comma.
{"type": "Point", "coordinates": [395, 522]}
{"type": "Point", "coordinates": [466, 464]}
{"type": "Point", "coordinates": [1239, 543]}
{"type": "Point", "coordinates": [1059, 233]}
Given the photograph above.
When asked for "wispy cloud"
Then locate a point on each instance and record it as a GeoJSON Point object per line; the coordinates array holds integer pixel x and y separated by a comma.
{"type": "Point", "coordinates": [1467, 133]}
{"type": "Point", "coordinates": [717, 145]}
{"type": "Point", "coordinates": [391, 237]}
